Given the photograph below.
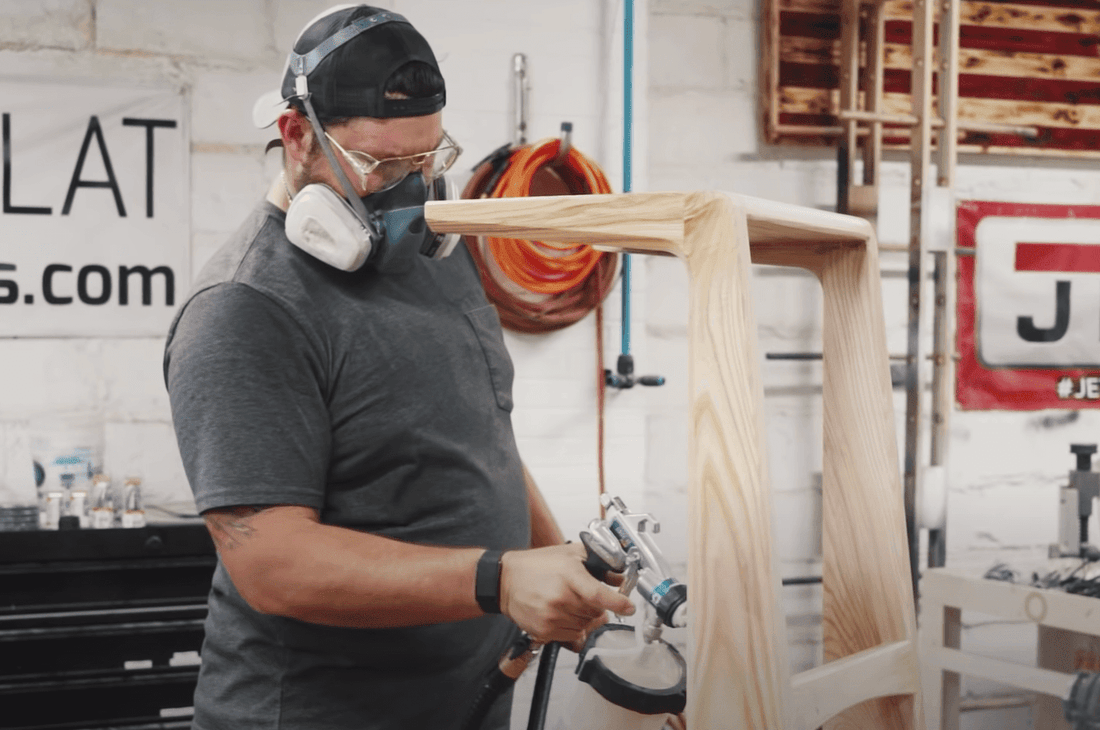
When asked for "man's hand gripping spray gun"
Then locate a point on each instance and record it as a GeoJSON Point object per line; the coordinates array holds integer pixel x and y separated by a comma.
{"type": "Point", "coordinates": [621, 543]}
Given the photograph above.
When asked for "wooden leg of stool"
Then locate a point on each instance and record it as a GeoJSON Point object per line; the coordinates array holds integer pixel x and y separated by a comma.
{"type": "Point", "coordinates": [952, 682]}
{"type": "Point", "coordinates": [739, 669]}
{"type": "Point", "coordinates": [932, 675]}
{"type": "Point", "coordinates": [867, 588]}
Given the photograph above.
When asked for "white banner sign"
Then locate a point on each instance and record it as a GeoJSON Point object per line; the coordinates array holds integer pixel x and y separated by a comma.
{"type": "Point", "coordinates": [1038, 292]}
{"type": "Point", "coordinates": [95, 224]}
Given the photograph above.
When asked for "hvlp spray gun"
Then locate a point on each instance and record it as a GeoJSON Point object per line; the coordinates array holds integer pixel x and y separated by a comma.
{"type": "Point", "coordinates": [621, 543]}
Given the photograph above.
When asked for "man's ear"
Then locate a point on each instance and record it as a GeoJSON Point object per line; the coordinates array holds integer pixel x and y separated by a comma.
{"type": "Point", "coordinates": [297, 134]}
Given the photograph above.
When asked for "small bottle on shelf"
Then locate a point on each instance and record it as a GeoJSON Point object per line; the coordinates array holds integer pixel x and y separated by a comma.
{"type": "Point", "coordinates": [54, 509]}
{"type": "Point", "coordinates": [78, 506]}
{"type": "Point", "coordinates": [133, 515]}
{"type": "Point", "coordinates": [103, 503]}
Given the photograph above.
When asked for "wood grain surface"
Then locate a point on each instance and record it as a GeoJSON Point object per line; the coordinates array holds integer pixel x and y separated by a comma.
{"type": "Point", "coordinates": [738, 629]}
{"type": "Point", "coordinates": [867, 590]}
{"type": "Point", "coordinates": [980, 61]}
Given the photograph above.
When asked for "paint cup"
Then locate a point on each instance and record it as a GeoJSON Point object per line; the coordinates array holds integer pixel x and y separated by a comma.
{"type": "Point", "coordinates": [626, 684]}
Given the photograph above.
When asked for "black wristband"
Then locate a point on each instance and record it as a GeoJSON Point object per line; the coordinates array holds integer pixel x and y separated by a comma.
{"type": "Point", "coordinates": [487, 581]}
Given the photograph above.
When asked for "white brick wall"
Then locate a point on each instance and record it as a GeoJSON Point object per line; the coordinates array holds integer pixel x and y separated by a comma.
{"type": "Point", "coordinates": [221, 106]}
{"type": "Point", "coordinates": [47, 375]}
{"type": "Point", "coordinates": [237, 30]}
{"type": "Point", "coordinates": [700, 64]}
{"type": "Point", "coordinates": [223, 184]}
{"type": "Point", "coordinates": [64, 24]}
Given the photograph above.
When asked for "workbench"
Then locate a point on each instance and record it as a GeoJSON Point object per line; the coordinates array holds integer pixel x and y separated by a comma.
{"type": "Point", "coordinates": [1061, 618]}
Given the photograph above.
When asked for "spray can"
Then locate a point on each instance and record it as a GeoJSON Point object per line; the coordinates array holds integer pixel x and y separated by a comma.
{"type": "Point", "coordinates": [626, 684]}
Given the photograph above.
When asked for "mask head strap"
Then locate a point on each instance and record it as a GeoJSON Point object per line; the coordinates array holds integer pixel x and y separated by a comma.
{"type": "Point", "coordinates": [353, 199]}
{"type": "Point", "coordinates": [304, 64]}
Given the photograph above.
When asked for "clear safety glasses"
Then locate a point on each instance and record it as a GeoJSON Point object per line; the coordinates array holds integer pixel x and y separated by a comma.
{"type": "Point", "coordinates": [375, 175]}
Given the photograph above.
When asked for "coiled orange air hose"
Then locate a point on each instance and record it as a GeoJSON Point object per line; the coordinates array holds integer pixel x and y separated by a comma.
{"type": "Point", "coordinates": [531, 264]}
{"type": "Point", "coordinates": [538, 287]}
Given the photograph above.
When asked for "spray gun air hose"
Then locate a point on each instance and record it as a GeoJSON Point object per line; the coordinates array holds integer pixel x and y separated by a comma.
{"type": "Point", "coordinates": [620, 543]}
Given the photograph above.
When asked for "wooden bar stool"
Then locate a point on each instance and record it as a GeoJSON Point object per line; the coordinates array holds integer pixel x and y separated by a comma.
{"type": "Point", "coordinates": [738, 666]}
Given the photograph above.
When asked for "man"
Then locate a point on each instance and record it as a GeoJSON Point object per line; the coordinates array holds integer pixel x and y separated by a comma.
{"type": "Point", "coordinates": [345, 426]}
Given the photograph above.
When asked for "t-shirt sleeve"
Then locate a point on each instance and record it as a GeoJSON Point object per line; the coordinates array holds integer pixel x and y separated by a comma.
{"type": "Point", "coordinates": [245, 383]}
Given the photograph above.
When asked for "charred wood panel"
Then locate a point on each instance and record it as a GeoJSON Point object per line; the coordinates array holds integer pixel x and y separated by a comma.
{"type": "Point", "coordinates": [1035, 64]}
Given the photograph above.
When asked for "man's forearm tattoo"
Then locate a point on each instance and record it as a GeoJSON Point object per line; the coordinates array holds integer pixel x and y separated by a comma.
{"type": "Point", "coordinates": [230, 527]}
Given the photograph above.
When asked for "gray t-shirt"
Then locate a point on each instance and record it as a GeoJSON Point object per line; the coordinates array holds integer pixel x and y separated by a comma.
{"type": "Point", "coordinates": [382, 398]}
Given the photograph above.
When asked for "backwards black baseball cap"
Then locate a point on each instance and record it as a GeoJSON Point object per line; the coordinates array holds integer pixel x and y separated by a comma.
{"type": "Point", "coordinates": [347, 54]}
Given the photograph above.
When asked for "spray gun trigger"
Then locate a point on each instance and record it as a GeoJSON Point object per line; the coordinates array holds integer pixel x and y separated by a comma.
{"type": "Point", "coordinates": [630, 575]}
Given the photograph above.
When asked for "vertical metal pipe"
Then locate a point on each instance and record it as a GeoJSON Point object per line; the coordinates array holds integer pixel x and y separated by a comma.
{"type": "Point", "coordinates": [628, 111]}
{"type": "Point", "coordinates": [876, 75]}
{"type": "Point", "coordinates": [943, 348]}
{"type": "Point", "coordinates": [849, 97]}
{"type": "Point", "coordinates": [628, 90]}
{"type": "Point", "coordinates": [948, 147]}
{"type": "Point", "coordinates": [843, 177]}
{"type": "Point", "coordinates": [941, 387]}
{"type": "Point", "coordinates": [920, 162]}
{"type": "Point", "coordinates": [940, 360]}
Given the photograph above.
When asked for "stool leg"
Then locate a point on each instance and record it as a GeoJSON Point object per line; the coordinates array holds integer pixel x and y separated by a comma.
{"type": "Point", "coordinates": [738, 670]}
{"type": "Point", "coordinates": [867, 585]}
{"type": "Point", "coordinates": [932, 676]}
{"type": "Point", "coordinates": [952, 635]}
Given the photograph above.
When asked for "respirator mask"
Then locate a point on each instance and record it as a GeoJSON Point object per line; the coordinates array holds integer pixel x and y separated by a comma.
{"type": "Point", "coordinates": [328, 226]}
{"type": "Point", "coordinates": [346, 231]}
